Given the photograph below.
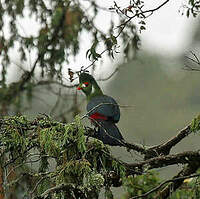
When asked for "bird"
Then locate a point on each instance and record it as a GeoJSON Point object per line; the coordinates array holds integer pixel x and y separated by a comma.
{"type": "Point", "coordinates": [102, 110]}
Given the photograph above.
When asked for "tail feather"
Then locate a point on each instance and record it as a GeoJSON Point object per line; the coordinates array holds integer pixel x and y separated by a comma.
{"type": "Point", "coordinates": [109, 133]}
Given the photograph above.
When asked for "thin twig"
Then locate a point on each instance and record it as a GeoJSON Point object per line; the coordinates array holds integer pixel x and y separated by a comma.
{"type": "Point", "coordinates": [163, 183]}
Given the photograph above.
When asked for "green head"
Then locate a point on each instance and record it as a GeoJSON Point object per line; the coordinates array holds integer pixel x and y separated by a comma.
{"type": "Point", "coordinates": [89, 86]}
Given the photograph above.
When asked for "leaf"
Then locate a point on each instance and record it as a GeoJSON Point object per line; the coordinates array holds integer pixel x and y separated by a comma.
{"type": "Point", "coordinates": [91, 53]}
{"type": "Point", "coordinates": [142, 28]}
{"type": "Point", "coordinates": [142, 22]}
{"type": "Point", "coordinates": [188, 13]}
{"type": "Point", "coordinates": [71, 74]}
{"type": "Point", "coordinates": [57, 16]}
{"type": "Point", "coordinates": [108, 194]}
{"type": "Point", "coordinates": [195, 124]}
{"type": "Point", "coordinates": [87, 53]}
{"type": "Point", "coordinates": [114, 39]}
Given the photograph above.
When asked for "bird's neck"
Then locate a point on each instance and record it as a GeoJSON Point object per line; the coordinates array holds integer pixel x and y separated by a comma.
{"type": "Point", "coordinates": [96, 91]}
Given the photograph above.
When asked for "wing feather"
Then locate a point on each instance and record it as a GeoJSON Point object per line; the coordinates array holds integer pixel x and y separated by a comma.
{"type": "Point", "coordinates": [104, 105]}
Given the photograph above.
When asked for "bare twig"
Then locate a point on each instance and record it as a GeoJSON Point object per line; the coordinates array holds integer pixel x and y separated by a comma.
{"type": "Point", "coordinates": [194, 60]}
{"type": "Point", "coordinates": [57, 102]}
{"type": "Point", "coordinates": [47, 82]}
{"type": "Point", "coordinates": [157, 8]}
{"type": "Point", "coordinates": [37, 184]}
{"type": "Point", "coordinates": [56, 188]}
{"type": "Point", "coordinates": [163, 183]}
{"type": "Point", "coordinates": [112, 74]}
{"type": "Point", "coordinates": [123, 25]}
{"type": "Point", "coordinates": [187, 171]}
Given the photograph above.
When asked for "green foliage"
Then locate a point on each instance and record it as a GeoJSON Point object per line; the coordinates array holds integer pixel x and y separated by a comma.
{"type": "Point", "coordinates": [193, 8]}
{"type": "Point", "coordinates": [54, 153]}
{"type": "Point", "coordinates": [58, 36]}
{"type": "Point", "coordinates": [74, 171]}
{"type": "Point", "coordinates": [132, 47]}
{"type": "Point", "coordinates": [15, 139]}
{"type": "Point", "coordinates": [189, 190]}
{"type": "Point", "coordinates": [119, 169]}
{"type": "Point", "coordinates": [58, 14]}
{"type": "Point", "coordinates": [195, 124]}
{"type": "Point", "coordinates": [138, 185]}
{"type": "Point", "coordinates": [45, 153]}
{"type": "Point", "coordinates": [60, 25]}
{"type": "Point", "coordinates": [108, 193]}
{"type": "Point", "coordinates": [91, 53]}
{"type": "Point", "coordinates": [95, 180]}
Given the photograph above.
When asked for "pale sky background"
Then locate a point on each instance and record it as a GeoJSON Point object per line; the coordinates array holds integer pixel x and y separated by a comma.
{"type": "Point", "coordinates": [167, 32]}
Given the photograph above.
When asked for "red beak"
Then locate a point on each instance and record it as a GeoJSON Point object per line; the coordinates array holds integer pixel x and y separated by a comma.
{"type": "Point", "coordinates": [79, 88]}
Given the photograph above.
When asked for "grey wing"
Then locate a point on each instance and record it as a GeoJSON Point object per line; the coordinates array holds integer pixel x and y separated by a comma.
{"type": "Point", "coordinates": [104, 105]}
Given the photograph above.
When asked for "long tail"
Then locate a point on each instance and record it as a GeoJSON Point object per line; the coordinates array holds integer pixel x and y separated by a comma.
{"type": "Point", "coordinates": [109, 133]}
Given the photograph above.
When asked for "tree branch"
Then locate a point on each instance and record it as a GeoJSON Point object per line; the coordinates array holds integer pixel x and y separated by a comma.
{"type": "Point", "coordinates": [157, 8]}
{"type": "Point", "coordinates": [163, 183]}
{"type": "Point", "coordinates": [195, 60]}
{"type": "Point", "coordinates": [164, 149]}
{"type": "Point", "coordinates": [54, 189]}
{"type": "Point", "coordinates": [163, 161]}
{"type": "Point", "coordinates": [190, 169]}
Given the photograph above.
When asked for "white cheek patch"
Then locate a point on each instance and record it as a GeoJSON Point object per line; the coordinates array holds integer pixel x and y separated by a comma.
{"type": "Point", "coordinates": [93, 89]}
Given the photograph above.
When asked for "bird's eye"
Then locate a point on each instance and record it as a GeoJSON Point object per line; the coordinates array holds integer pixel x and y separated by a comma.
{"type": "Point", "coordinates": [85, 84]}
